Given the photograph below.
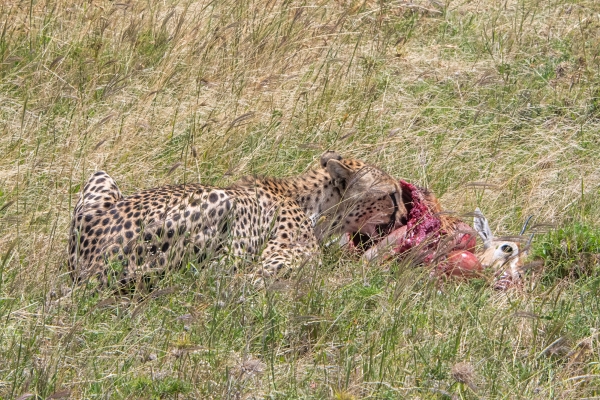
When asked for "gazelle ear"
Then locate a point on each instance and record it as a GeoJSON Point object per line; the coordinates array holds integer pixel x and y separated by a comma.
{"type": "Point", "coordinates": [481, 226]}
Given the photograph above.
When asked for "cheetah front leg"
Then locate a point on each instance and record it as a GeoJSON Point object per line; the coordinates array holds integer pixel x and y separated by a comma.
{"type": "Point", "coordinates": [282, 256]}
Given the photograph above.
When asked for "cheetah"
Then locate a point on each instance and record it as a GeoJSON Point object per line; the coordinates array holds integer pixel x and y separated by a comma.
{"type": "Point", "coordinates": [275, 224]}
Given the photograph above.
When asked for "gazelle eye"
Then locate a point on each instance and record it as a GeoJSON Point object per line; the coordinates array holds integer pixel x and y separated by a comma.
{"type": "Point", "coordinates": [506, 249]}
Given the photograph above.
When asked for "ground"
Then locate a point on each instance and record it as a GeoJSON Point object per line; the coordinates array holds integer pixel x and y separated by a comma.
{"type": "Point", "coordinates": [490, 104]}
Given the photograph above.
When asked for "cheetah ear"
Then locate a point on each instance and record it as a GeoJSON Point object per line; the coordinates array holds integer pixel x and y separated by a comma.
{"type": "Point", "coordinates": [329, 155]}
{"type": "Point", "coordinates": [340, 174]}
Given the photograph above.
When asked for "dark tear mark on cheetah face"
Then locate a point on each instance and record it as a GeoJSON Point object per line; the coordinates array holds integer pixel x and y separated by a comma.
{"type": "Point", "coordinates": [273, 224]}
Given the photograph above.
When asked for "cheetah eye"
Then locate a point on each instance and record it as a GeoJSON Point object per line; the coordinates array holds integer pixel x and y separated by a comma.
{"type": "Point", "coordinates": [506, 249]}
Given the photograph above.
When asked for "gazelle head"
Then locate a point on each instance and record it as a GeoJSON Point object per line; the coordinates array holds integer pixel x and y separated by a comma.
{"type": "Point", "coordinates": [504, 256]}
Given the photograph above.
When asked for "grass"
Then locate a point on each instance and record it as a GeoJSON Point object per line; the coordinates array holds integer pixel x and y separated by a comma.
{"type": "Point", "coordinates": [488, 103]}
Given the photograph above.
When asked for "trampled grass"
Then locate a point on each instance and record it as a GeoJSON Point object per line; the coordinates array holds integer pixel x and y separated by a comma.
{"type": "Point", "coordinates": [488, 103]}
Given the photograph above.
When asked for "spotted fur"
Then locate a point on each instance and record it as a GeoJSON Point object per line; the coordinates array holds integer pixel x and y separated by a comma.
{"type": "Point", "coordinates": [274, 224]}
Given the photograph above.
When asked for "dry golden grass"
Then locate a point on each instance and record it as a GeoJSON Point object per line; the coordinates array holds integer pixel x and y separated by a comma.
{"type": "Point", "coordinates": [489, 103]}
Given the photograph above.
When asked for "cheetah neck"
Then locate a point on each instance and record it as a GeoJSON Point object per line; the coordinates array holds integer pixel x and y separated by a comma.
{"type": "Point", "coordinates": [315, 193]}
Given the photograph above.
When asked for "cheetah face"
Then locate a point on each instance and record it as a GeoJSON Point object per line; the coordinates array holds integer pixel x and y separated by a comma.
{"type": "Point", "coordinates": [372, 199]}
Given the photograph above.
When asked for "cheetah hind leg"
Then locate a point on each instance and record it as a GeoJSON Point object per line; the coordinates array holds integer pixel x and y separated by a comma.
{"type": "Point", "coordinates": [100, 191]}
{"type": "Point", "coordinates": [99, 194]}
{"type": "Point", "coordinates": [126, 280]}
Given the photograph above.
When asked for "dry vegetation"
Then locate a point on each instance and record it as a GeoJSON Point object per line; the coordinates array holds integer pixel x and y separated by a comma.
{"type": "Point", "coordinates": [489, 103]}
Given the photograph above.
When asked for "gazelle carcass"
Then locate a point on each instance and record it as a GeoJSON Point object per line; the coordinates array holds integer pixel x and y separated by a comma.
{"type": "Point", "coordinates": [432, 237]}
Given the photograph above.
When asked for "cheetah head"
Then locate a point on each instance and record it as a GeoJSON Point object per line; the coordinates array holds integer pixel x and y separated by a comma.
{"type": "Point", "coordinates": [371, 200]}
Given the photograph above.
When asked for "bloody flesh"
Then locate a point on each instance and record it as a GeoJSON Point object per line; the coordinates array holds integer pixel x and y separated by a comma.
{"type": "Point", "coordinates": [449, 245]}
